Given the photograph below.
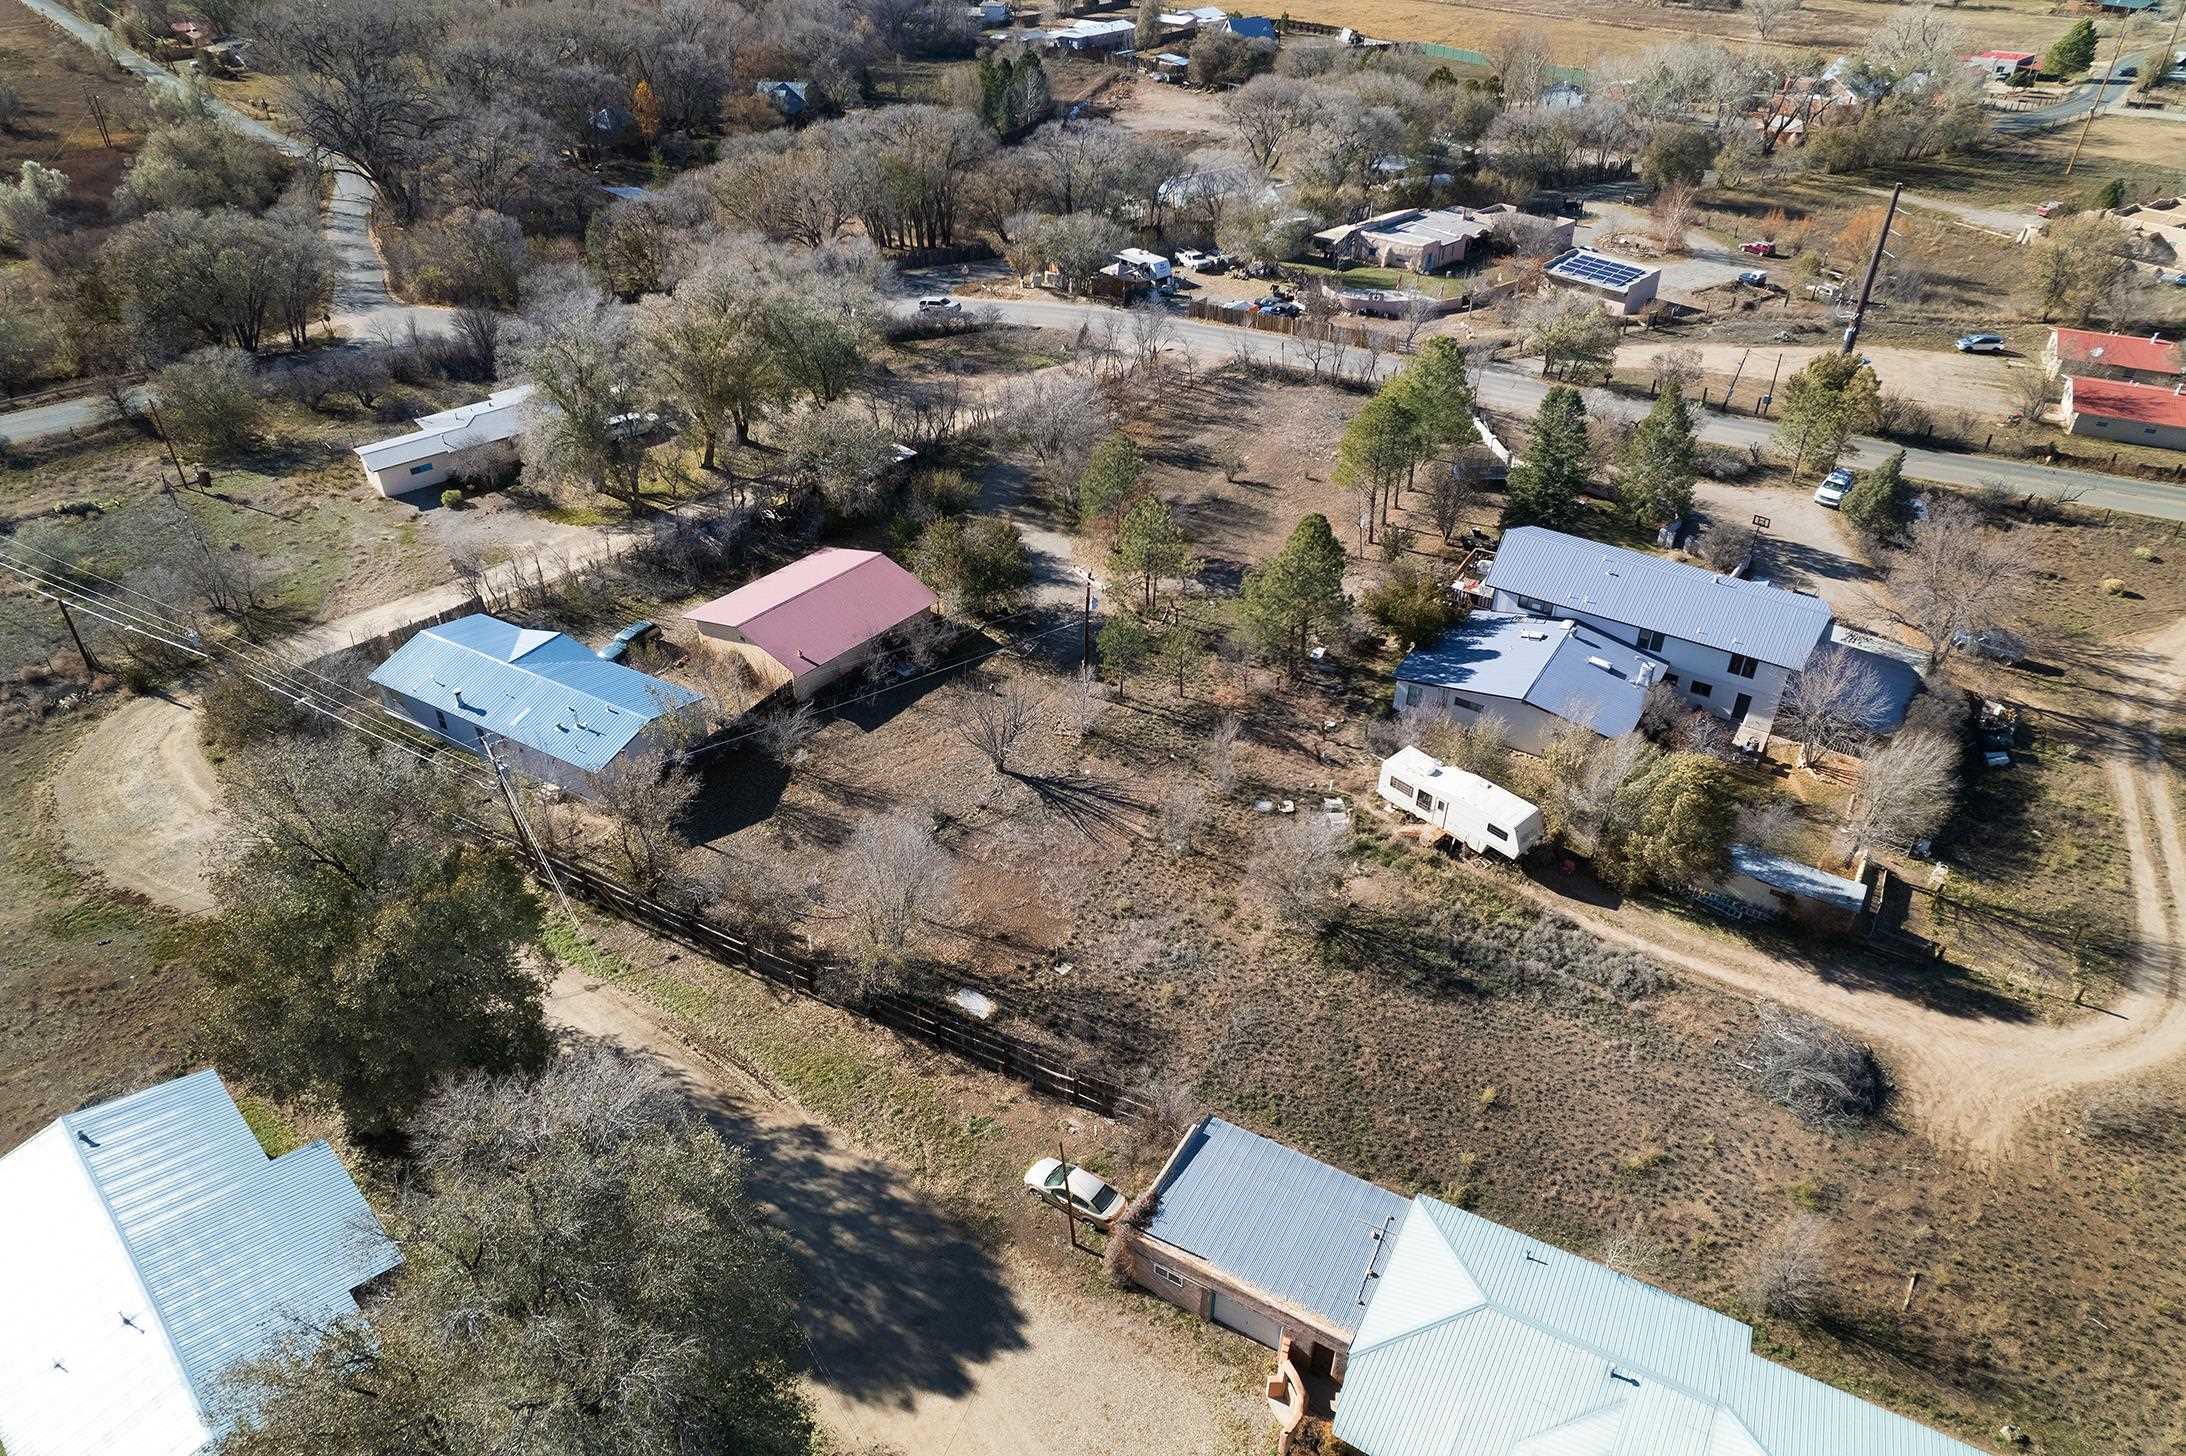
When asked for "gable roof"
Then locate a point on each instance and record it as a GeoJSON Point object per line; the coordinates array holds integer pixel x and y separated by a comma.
{"type": "Point", "coordinates": [2139, 404]}
{"type": "Point", "coordinates": [488, 421]}
{"type": "Point", "coordinates": [1796, 877]}
{"type": "Point", "coordinates": [2120, 351]}
{"type": "Point", "coordinates": [1483, 1342]}
{"type": "Point", "coordinates": [1749, 618]}
{"type": "Point", "coordinates": [1565, 668]}
{"type": "Point", "coordinates": [1303, 1234]}
{"type": "Point", "coordinates": [541, 689]}
{"type": "Point", "coordinates": [160, 1247]}
{"type": "Point", "coordinates": [812, 611]}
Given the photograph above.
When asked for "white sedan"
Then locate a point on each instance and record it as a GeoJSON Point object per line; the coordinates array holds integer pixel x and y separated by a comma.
{"type": "Point", "coordinates": [1831, 492]}
{"type": "Point", "coordinates": [939, 303]}
{"type": "Point", "coordinates": [1084, 1193]}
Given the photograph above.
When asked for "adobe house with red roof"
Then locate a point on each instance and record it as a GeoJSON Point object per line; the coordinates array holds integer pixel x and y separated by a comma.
{"type": "Point", "coordinates": [814, 620]}
{"type": "Point", "coordinates": [2086, 354]}
{"type": "Point", "coordinates": [2128, 414]}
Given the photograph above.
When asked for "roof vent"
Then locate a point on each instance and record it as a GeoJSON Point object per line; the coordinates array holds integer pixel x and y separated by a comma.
{"type": "Point", "coordinates": [1534, 636]}
{"type": "Point", "coordinates": [1600, 662]}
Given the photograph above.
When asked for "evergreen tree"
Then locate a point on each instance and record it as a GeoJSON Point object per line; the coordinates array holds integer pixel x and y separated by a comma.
{"type": "Point", "coordinates": [1670, 825]}
{"type": "Point", "coordinates": [1438, 394]}
{"type": "Point", "coordinates": [1150, 546]}
{"type": "Point", "coordinates": [1823, 404]}
{"type": "Point", "coordinates": [2073, 52]}
{"type": "Point", "coordinates": [1110, 478]}
{"type": "Point", "coordinates": [1298, 589]}
{"type": "Point", "coordinates": [1380, 447]}
{"type": "Point", "coordinates": [1547, 484]}
{"type": "Point", "coordinates": [1182, 649]}
{"type": "Point", "coordinates": [1655, 478]}
{"type": "Point", "coordinates": [1879, 504]}
{"type": "Point", "coordinates": [1148, 29]}
{"type": "Point", "coordinates": [1413, 607]}
{"type": "Point", "coordinates": [1124, 644]}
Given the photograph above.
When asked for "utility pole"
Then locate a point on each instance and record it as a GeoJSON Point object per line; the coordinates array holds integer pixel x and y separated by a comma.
{"type": "Point", "coordinates": [1085, 623]}
{"type": "Point", "coordinates": [97, 108]}
{"type": "Point", "coordinates": [523, 830]}
{"type": "Point", "coordinates": [2102, 91]}
{"type": "Point", "coordinates": [1874, 262]}
{"type": "Point", "coordinates": [91, 664]}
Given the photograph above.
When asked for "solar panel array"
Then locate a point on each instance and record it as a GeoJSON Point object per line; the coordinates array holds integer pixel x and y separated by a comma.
{"type": "Point", "coordinates": [1584, 267]}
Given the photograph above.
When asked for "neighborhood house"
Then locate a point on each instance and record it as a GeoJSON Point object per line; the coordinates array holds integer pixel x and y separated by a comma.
{"type": "Point", "coordinates": [1531, 676]}
{"type": "Point", "coordinates": [1726, 644]}
{"type": "Point", "coordinates": [148, 1246]}
{"type": "Point", "coordinates": [1623, 288]}
{"type": "Point", "coordinates": [549, 705]}
{"type": "Point", "coordinates": [2084, 353]}
{"type": "Point", "coordinates": [457, 444]}
{"type": "Point", "coordinates": [1424, 240]}
{"type": "Point", "coordinates": [2136, 414]}
{"type": "Point", "coordinates": [815, 619]}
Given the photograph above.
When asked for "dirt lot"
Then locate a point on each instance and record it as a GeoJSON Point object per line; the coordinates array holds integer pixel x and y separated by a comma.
{"type": "Point", "coordinates": [1940, 379]}
{"type": "Point", "coordinates": [58, 80]}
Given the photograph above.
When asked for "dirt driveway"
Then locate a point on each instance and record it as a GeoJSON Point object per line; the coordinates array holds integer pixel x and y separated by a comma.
{"type": "Point", "coordinates": [1808, 547]}
{"type": "Point", "coordinates": [137, 803]}
{"type": "Point", "coordinates": [1939, 379]}
{"type": "Point", "coordinates": [923, 1340]}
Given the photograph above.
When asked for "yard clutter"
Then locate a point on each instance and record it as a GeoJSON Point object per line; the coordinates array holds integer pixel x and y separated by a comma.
{"type": "Point", "coordinates": [816, 619]}
{"type": "Point", "coordinates": [1476, 813]}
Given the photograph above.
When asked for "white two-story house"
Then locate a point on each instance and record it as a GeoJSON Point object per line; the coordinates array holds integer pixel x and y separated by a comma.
{"type": "Point", "coordinates": [1727, 644]}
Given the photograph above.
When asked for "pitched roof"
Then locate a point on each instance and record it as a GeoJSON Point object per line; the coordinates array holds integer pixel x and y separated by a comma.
{"type": "Point", "coordinates": [1298, 1231]}
{"type": "Point", "coordinates": [1795, 877]}
{"type": "Point", "coordinates": [1565, 668]}
{"type": "Point", "coordinates": [1749, 618]}
{"type": "Point", "coordinates": [813, 611]}
{"type": "Point", "coordinates": [488, 421]}
{"type": "Point", "coordinates": [160, 1246]}
{"type": "Point", "coordinates": [1482, 1342]}
{"type": "Point", "coordinates": [2121, 351]}
{"type": "Point", "coordinates": [541, 689]}
{"type": "Point", "coordinates": [2139, 404]}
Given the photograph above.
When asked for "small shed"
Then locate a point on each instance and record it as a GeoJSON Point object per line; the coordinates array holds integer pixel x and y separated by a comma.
{"type": "Point", "coordinates": [1785, 888]}
{"type": "Point", "coordinates": [1261, 1239]}
{"type": "Point", "coordinates": [814, 620]}
{"type": "Point", "coordinates": [787, 97]}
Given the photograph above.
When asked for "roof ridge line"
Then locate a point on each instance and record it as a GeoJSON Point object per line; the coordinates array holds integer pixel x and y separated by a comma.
{"type": "Point", "coordinates": [804, 591]}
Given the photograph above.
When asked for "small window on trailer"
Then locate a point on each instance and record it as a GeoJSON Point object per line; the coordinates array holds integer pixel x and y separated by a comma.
{"type": "Point", "coordinates": [1168, 1275]}
{"type": "Point", "coordinates": [1424, 799]}
{"type": "Point", "coordinates": [1497, 831]}
{"type": "Point", "coordinates": [1403, 788]}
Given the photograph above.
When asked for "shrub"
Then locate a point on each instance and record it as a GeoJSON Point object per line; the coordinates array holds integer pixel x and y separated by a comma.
{"type": "Point", "coordinates": [2113, 586]}
{"type": "Point", "coordinates": [1789, 1275]}
{"type": "Point", "coordinates": [1412, 606]}
{"type": "Point", "coordinates": [1828, 1080]}
{"type": "Point", "coordinates": [451, 498]}
{"type": "Point", "coordinates": [210, 400]}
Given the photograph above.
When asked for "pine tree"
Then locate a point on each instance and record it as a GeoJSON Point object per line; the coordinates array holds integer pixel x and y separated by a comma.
{"type": "Point", "coordinates": [1380, 447]}
{"type": "Point", "coordinates": [2073, 52]}
{"type": "Point", "coordinates": [1148, 30]}
{"type": "Point", "coordinates": [1670, 825]}
{"type": "Point", "coordinates": [1437, 392]}
{"type": "Point", "coordinates": [1823, 404]}
{"type": "Point", "coordinates": [1879, 504]}
{"type": "Point", "coordinates": [1296, 590]}
{"type": "Point", "coordinates": [1655, 478]}
{"type": "Point", "coordinates": [1547, 484]}
{"type": "Point", "coordinates": [1110, 478]}
{"type": "Point", "coordinates": [1124, 644]}
{"type": "Point", "coordinates": [1150, 546]}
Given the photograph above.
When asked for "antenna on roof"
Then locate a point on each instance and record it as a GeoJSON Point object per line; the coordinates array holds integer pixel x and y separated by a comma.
{"type": "Point", "coordinates": [86, 1139]}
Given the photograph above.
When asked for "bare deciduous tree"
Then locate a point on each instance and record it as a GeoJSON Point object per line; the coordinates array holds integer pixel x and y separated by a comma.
{"type": "Point", "coordinates": [1954, 579]}
{"type": "Point", "coordinates": [643, 799]}
{"type": "Point", "coordinates": [1300, 872]}
{"type": "Point", "coordinates": [1838, 702]}
{"type": "Point", "coordinates": [1180, 816]}
{"type": "Point", "coordinates": [1789, 1274]}
{"type": "Point", "coordinates": [1222, 753]}
{"type": "Point", "coordinates": [1827, 1079]}
{"type": "Point", "coordinates": [993, 720]}
{"type": "Point", "coordinates": [786, 733]}
{"type": "Point", "coordinates": [1452, 492]}
{"type": "Point", "coordinates": [1905, 792]}
{"type": "Point", "coordinates": [895, 880]}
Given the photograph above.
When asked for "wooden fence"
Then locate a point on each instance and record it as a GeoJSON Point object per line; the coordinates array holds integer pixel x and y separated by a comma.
{"type": "Point", "coordinates": [920, 1018]}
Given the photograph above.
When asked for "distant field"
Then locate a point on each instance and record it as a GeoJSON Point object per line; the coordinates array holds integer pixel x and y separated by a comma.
{"type": "Point", "coordinates": [1579, 33]}
{"type": "Point", "coordinates": [57, 78]}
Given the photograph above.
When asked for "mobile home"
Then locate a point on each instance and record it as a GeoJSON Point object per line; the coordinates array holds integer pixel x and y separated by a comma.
{"type": "Point", "coordinates": [1476, 813]}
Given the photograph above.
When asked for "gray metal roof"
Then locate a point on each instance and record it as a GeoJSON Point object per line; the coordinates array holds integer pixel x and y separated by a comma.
{"type": "Point", "coordinates": [537, 688]}
{"type": "Point", "coordinates": [1298, 1231]}
{"type": "Point", "coordinates": [1483, 1342]}
{"type": "Point", "coordinates": [1565, 668]}
{"type": "Point", "coordinates": [1795, 878]}
{"type": "Point", "coordinates": [1610, 582]}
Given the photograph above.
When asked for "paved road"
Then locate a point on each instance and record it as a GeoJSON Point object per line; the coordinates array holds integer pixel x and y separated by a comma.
{"type": "Point", "coordinates": [2078, 104]}
{"type": "Point", "coordinates": [1520, 391]}
{"type": "Point", "coordinates": [362, 305]}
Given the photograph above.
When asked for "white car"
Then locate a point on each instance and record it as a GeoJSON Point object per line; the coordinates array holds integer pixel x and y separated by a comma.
{"type": "Point", "coordinates": [939, 303]}
{"type": "Point", "coordinates": [1084, 1193]}
{"type": "Point", "coordinates": [1980, 344]}
{"type": "Point", "coordinates": [1831, 492]}
{"type": "Point", "coordinates": [1191, 258]}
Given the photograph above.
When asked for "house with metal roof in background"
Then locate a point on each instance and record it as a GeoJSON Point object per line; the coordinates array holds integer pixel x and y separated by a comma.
{"type": "Point", "coordinates": [1532, 677]}
{"type": "Point", "coordinates": [1261, 1239]}
{"type": "Point", "coordinates": [1624, 288]}
{"type": "Point", "coordinates": [1480, 1341]}
{"type": "Point", "coordinates": [1728, 645]}
{"type": "Point", "coordinates": [147, 1247]}
{"type": "Point", "coordinates": [2088, 354]}
{"type": "Point", "coordinates": [448, 446]}
{"type": "Point", "coordinates": [2132, 414]}
{"type": "Point", "coordinates": [542, 703]}
{"type": "Point", "coordinates": [814, 620]}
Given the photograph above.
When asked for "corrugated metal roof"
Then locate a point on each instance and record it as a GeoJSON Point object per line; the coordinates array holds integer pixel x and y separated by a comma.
{"type": "Point", "coordinates": [1555, 666]}
{"type": "Point", "coordinates": [1300, 1232]}
{"type": "Point", "coordinates": [540, 689]}
{"type": "Point", "coordinates": [1795, 878]}
{"type": "Point", "coordinates": [1483, 1342]}
{"type": "Point", "coordinates": [163, 1247]}
{"type": "Point", "coordinates": [815, 609]}
{"type": "Point", "coordinates": [1723, 612]}
{"type": "Point", "coordinates": [488, 421]}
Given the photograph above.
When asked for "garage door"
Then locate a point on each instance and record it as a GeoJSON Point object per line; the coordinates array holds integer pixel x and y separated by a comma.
{"type": "Point", "coordinates": [1247, 1321]}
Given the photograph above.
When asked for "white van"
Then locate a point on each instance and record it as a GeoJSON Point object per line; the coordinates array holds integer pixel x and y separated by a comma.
{"type": "Point", "coordinates": [1476, 813]}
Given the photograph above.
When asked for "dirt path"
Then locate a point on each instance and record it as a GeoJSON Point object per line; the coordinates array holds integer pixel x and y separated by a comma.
{"type": "Point", "coordinates": [922, 1340]}
{"type": "Point", "coordinates": [137, 803]}
{"type": "Point", "coordinates": [1970, 1080]}
{"type": "Point", "coordinates": [1937, 378]}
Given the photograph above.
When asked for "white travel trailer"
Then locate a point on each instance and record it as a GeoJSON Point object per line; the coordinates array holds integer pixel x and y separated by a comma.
{"type": "Point", "coordinates": [1476, 813]}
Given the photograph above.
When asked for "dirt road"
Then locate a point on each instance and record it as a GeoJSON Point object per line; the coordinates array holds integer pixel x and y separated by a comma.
{"type": "Point", "coordinates": [1968, 1079]}
{"type": "Point", "coordinates": [922, 1340]}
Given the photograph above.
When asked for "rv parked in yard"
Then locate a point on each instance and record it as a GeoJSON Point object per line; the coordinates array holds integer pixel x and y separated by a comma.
{"type": "Point", "coordinates": [1476, 813]}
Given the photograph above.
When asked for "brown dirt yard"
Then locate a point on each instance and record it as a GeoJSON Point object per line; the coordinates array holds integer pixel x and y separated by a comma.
{"type": "Point", "coordinates": [57, 79]}
{"type": "Point", "coordinates": [1940, 379]}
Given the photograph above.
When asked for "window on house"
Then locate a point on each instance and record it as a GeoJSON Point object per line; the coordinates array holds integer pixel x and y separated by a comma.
{"type": "Point", "coordinates": [1742, 666]}
{"type": "Point", "coordinates": [1539, 609]}
{"type": "Point", "coordinates": [440, 718]}
{"type": "Point", "coordinates": [1168, 1275]}
{"type": "Point", "coordinates": [1670, 678]}
{"type": "Point", "coordinates": [1468, 704]}
{"type": "Point", "coordinates": [1650, 641]}
{"type": "Point", "coordinates": [1700, 689]}
{"type": "Point", "coordinates": [425, 469]}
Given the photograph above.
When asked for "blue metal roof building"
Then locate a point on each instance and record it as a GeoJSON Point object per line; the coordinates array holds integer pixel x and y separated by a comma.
{"type": "Point", "coordinates": [1727, 613]}
{"type": "Point", "coordinates": [541, 691]}
{"type": "Point", "coordinates": [1564, 668]}
{"type": "Point", "coordinates": [1278, 1226]}
{"type": "Point", "coordinates": [1483, 1342]}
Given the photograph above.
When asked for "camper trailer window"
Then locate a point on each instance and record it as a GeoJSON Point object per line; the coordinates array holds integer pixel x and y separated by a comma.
{"type": "Point", "coordinates": [1403, 788]}
{"type": "Point", "coordinates": [1497, 832]}
{"type": "Point", "coordinates": [1427, 800]}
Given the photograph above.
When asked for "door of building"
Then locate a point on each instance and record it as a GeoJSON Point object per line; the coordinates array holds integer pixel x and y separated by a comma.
{"type": "Point", "coordinates": [1738, 709]}
{"type": "Point", "coordinates": [1234, 1314]}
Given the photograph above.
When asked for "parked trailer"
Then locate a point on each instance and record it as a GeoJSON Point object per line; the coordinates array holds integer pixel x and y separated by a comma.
{"type": "Point", "coordinates": [1476, 813]}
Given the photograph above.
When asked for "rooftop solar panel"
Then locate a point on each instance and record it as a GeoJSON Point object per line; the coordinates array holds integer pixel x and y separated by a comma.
{"type": "Point", "coordinates": [1586, 267]}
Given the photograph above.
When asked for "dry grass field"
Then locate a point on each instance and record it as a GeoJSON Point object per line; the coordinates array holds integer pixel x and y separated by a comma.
{"type": "Point", "coordinates": [58, 80]}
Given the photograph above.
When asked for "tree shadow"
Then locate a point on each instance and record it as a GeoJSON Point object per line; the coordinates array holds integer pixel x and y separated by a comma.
{"type": "Point", "coordinates": [1093, 806]}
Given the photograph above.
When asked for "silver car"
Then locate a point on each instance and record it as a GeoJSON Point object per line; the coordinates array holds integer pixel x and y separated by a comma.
{"type": "Point", "coordinates": [1835, 485]}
